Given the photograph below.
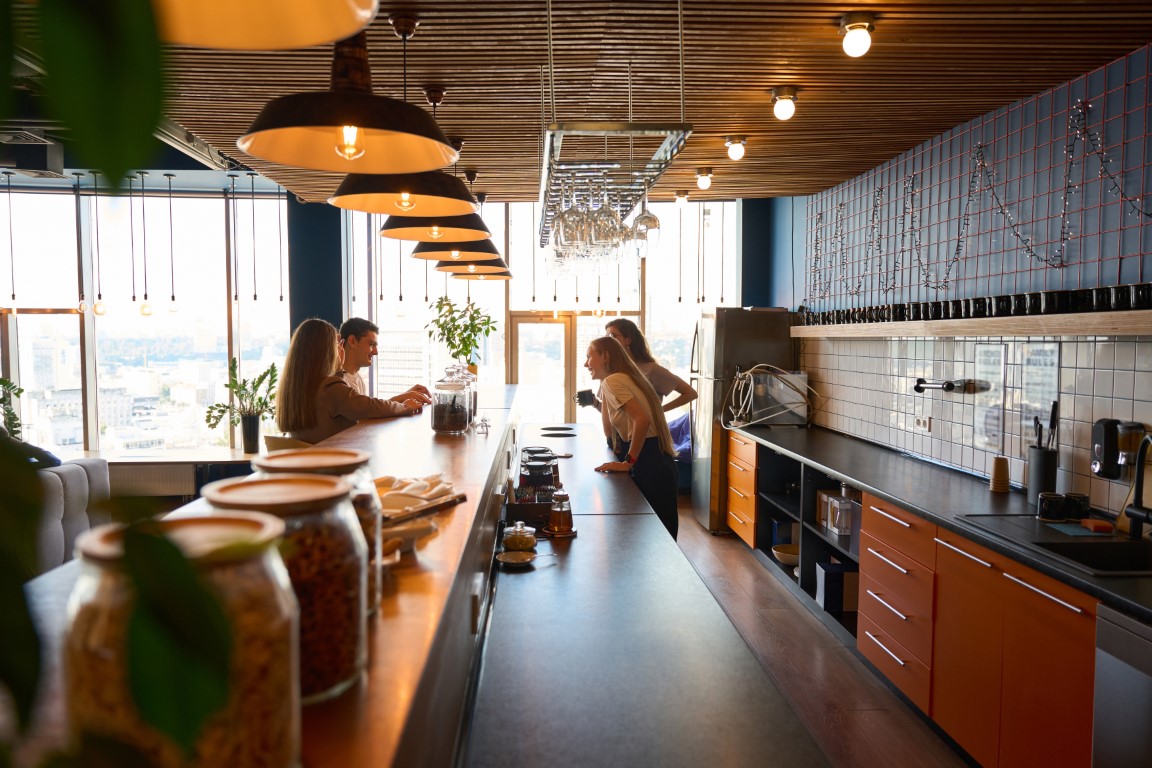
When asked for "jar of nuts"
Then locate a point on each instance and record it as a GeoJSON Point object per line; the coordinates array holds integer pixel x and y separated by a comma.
{"type": "Point", "coordinates": [327, 561]}
{"type": "Point", "coordinates": [236, 556]}
{"type": "Point", "coordinates": [352, 465]}
{"type": "Point", "coordinates": [520, 536]}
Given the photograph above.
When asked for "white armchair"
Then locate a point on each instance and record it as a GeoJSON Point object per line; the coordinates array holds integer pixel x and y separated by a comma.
{"type": "Point", "coordinates": [72, 493]}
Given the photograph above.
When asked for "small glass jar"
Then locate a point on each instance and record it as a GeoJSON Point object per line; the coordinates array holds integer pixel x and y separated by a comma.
{"type": "Point", "coordinates": [327, 561]}
{"type": "Point", "coordinates": [352, 465]}
{"type": "Point", "coordinates": [450, 407]}
{"type": "Point", "coordinates": [236, 556]}
{"type": "Point", "coordinates": [520, 537]}
{"type": "Point", "coordinates": [560, 516]}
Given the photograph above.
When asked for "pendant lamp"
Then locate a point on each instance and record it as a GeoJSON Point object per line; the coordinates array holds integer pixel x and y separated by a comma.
{"type": "Point", "coordinates": [432, 193]}
{"type": "Point", "coordinates": [261, 25]}
{"type": "Point", "coordinates": [348, 129]}
{"type": "Point", "coordinates": [476, 250]}
{"type": "Point", "coordinates": [505, 275]}
{"type": "Point", "coordinates": [436, 229]}
{"type": "Point", "coordinates": [472, 267]}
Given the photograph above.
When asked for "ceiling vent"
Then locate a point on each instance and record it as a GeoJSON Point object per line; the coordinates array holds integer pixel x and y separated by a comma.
{"type": "Point", "coordinates": [21, 136]}
{"type": "Point", "coordinates": [41, 160]}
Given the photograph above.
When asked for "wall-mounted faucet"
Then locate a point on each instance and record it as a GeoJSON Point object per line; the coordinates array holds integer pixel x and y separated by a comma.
{"type": "Point", "coordinates": [1137, 513]}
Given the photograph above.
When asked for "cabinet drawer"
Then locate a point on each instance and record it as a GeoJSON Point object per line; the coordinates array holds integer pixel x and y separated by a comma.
{"type": "Point", "coordinates": [909, 533]}
{"type": "Point", "coordinates": [741, 477]}
{"type": "Point", "coordinates": [742, 518]}
{"type": "Point", "coordinates": [895, 662]}
{"type": "Point", "coordinates": [908, 624]}
{"type": "Point", "coordinates": [903, 577]}
{"type": "Point", "coordinates": [743, 448]}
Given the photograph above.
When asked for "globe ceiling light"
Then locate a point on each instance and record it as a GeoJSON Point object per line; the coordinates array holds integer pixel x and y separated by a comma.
{"type": "Point", "coordinates": [348, 129]}
{"type": "Point", "coordinates": [704, 178]}
{"type": "Point", "coordinates": [297, 23]}
{"type": "Point", "coordinates": [432, 193]}
{"type": "Point", "coordinates": [436, 229]}
{"type": "Point", "coordinates": [681, 197]}
{"type": "Point", "coordinates": [735, 146]}
{"type": "Point", "coordinates": [785, 102]}
{"type": "Point", "coordinates": [855, 27]}
{"type": "Point", "coordinates": [476, 250]}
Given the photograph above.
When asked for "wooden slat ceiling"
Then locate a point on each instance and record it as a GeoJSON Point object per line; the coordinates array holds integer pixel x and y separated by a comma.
{"type": "Point", "coordinates": [932, 65]}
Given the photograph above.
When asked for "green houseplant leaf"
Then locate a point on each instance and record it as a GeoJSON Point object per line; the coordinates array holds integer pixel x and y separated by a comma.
{"type": "Point", "coordinates": [256, 397]}
{"type": "Point", "coordinates": [8, 392]}
{"type": "Point", "coordinates": [105, 78]}
{"type": "Point", "coordinates": [460, 328]}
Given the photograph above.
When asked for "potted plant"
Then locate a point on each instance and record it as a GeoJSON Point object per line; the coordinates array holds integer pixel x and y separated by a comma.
{"type": "Point", "coordinates": [251, 400]}
{"type": "Point", "coordinates": [8, 392]}
{"type": "Point", "coordinates": [460, 328]}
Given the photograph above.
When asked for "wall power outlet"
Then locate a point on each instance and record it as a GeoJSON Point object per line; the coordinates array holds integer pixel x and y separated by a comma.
{"type": "Point", "coordinates": [922, 423]}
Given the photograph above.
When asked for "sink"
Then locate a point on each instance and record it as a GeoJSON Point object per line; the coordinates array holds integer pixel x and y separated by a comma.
{"type": "Point", "coordinates": [1104, 557]}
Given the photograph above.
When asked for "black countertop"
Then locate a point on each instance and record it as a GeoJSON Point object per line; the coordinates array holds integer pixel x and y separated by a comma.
{"type": "Point", "coordinates": [614, 652]}
{"type": "Point", "coordinates": [944, 496]}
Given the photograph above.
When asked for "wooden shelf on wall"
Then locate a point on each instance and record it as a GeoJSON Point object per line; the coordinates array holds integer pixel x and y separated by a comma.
{"type": "Point", "coordinates": [1131, 323]}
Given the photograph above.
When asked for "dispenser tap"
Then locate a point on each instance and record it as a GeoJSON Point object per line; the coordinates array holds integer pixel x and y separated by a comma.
{"type": "Point", "coordinates": [1137, 513]}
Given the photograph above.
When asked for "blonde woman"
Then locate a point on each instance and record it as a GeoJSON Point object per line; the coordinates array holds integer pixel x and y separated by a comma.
{"type": "Point", "coordinates": [662, 380]}
{"type": "Point", "coordinates": [631, 408]}
{"type": "Point", "coordinates": [313, 401]}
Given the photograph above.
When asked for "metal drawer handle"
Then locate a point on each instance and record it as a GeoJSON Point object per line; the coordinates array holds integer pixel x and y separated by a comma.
{"type": "Point", "coordinates": [731, 464]}
{"type": "Point", "coordinates": [885, 604]}
{"type": "Point", "coordinates": [738, 440]}
{"type": "Point", "coordinates": [741, 520]}
{"type": "Point", "coordinates": [893, 518]}
{"type": "Point", "coordinates": [959, 551]}
{"type": "Point", "coordinates": [895, 658]}
{"type": "Point", "coordinates": [737, 492]}
{"type": "Point", "coordinates": [902, 570]}
{"type": "Point", "coordinates": [1038, 591]}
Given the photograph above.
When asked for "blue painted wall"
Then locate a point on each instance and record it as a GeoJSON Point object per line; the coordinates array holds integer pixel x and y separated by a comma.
{"type": "Point", "coordinates": [314, 262]}
{"type": "Point", "coordinates": [771, 245]}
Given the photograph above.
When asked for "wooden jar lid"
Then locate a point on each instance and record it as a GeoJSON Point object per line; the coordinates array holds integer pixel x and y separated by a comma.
{"type": "Point", "coordinates": [278, 494]}
{"type": "Point", "coordinates": [214, 538]}
{"type": "Point", "coordinates": [327, 461]}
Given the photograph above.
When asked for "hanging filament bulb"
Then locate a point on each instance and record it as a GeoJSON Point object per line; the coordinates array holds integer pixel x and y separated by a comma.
{"type": "Point", "coordinates": [348, 144]}
{"type": "Point", "coordinates": [405, 202]}
{"type": "Point", "coordinates": [454, 254]}
{"type": "Point", "coordinates": [173, 306]}
{"type": "Point", "coordinates": [82, 307]}
{"type": "Point", "coordinates": [146, 308]}
{"type": "Point", "coordinates": [100, 308]}
{"type": "Point", "coordinates": [434, 232]}
{"type": "Point", "coordinates": [472, 268]}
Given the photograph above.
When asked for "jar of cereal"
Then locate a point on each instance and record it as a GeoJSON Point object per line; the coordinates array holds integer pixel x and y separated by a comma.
{"type": "Point", "coordinates": [327, 561]}
{"type": "Point", "coordinates": [236, 556]}
{"type": "Point", "coordinates": [520, 537]}
{"type": "Point", "coordinates": [352, 465]}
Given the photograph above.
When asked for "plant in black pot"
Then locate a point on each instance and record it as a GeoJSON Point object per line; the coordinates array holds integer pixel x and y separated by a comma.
{"type": "Point", "coordinates": [251, 400]}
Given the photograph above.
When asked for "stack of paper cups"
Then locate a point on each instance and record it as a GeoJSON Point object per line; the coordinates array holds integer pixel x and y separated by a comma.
{"type": "Point", "coordinates": [998, 480]}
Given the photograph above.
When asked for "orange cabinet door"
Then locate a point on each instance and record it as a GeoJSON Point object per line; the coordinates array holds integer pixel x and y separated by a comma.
{"type": "Point", "coordinates": [1049, 666]}
{"type": "Point", "coordinates": [966, 646]}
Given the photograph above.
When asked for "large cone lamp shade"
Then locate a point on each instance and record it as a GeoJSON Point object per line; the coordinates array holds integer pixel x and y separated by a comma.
{"type": "Point", "coordinates": [348, 129]}
{"type": "Point", "coordinates": [505, 275]}
{"type": "Point", "coordinates": [476, 250]}
{"type": "Point", "coordinates": [432, 193]}
{"type": "Point", "coordinates": [261, 25]}
{"type": "Point", "coordinates": [436, 229]}
{"type": "Point", "coordinates": [490, 266]}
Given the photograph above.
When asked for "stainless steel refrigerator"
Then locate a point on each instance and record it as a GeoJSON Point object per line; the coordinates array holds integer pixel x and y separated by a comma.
{"type": "Point", "coordinates": [727, 338]}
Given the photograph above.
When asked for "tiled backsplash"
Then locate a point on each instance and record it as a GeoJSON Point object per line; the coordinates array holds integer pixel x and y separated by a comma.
{"type": "Point", "coordinates": [867, 386]}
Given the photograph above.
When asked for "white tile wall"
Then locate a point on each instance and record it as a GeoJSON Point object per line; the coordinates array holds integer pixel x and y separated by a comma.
{"type": "Point", "coordinates": [866, 385]}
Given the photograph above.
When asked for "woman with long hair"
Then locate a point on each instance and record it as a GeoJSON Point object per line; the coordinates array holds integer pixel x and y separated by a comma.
{"type": "Point", "coordinates": [631, 408]}
{"type": "Point", "coordinates": [313, 401]}
{"type": "Point", "coordinates": [661, 379]}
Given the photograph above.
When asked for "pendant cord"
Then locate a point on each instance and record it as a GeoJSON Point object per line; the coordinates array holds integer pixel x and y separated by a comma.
{"type": "Point", "coordinates": [722, 254]}
{"type": "Point", "coordinates": [11, 240]}
{"type": "Point", "coordinates": [96, 217]}
{"type": "Point", "coordinates": [680, 26]}
{"type": "Point", "coordinates": [399, 269]}
{"type": "Point", "coordinates": [280, 233]}
{"type": "Point", "coordinates": [144, 231]}
{"type": "Point", "coordinates": [235, 249]}
{"type": "Point", "coordinates": [680, 252]}
{"type": "Point", "coordinates": [171, 241]}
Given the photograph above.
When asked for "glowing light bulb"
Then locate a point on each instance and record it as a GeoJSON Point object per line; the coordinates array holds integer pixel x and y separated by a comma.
{"type": "Point", "coordinates": [682, 198]}
{"type": "Point", "coordinates": [472, 268]}
{"type": "Point", "coordinates": [455, 254]}
{"type": "Point", "coordinates": [784, 108]}
{"type": "Point", "coordinates": [146, 308]}
{"type": "Point", "coordinates": [704, 178]}
{"type": "Point", "coordinates": [348, 143]}
{"type": "Point", "coordinates": [82, 307]}
{"type": "Point", "coordinates": [405, 202]}
{"type": "Point", "coordinates": [857, 41]}
{"type": "Point", "coordinates": [434, 232]}
{"type": "Point", "coordinates": [99, 308]}
{"type": "Point", "coordinates": [173, 306]}
{"type": "Point", "coordinates": [735, 148]}
{"type": "Point", "coordinates": [482, 277]}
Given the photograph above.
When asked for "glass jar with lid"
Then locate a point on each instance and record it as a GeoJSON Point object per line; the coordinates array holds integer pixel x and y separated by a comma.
{"type": "Point", "coordinates": [520, 537]}
{"type": "Point", "coordinates": [327, 561]}
{"type": "Point", "coordinates": [236, 556]}
{"type": "Point", "coordinates": [560, 515]}
{"type": "Point", "coordinates": [352, 465]}
{"type": "Point", "coordinates": [450, 407]}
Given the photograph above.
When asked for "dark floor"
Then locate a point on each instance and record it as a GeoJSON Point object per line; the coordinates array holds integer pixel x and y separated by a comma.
{"type": "Point", "coordinates": [854, 717]}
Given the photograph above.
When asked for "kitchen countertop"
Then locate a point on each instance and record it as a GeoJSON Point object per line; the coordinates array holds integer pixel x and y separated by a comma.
{"type": "Point", "coordinates": [944, 496]}
{"type": "Point", "coordinates": [614, 652]}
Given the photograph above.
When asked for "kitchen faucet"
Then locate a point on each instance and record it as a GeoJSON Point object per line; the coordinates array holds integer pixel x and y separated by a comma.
{"type": "Point", "coordinates": [1137, 513]}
